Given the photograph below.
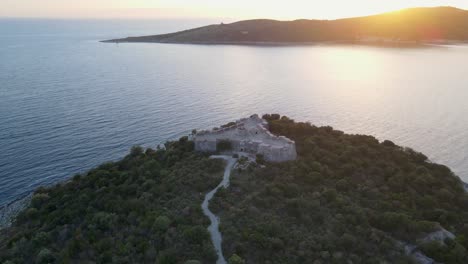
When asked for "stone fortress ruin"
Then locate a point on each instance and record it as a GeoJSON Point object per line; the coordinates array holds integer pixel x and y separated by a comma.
{"type": "Point", "coordinates": [248, 135]}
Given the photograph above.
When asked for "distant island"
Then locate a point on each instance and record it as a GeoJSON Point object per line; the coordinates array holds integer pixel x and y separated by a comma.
{"type": "Point", "coordinates": [408, 26]}
{"type": "Point", "coordinates": [306, 194]}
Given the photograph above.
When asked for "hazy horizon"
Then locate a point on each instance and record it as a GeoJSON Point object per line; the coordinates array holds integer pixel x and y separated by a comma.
{"type": "Point", "coordinates": [208, 9]}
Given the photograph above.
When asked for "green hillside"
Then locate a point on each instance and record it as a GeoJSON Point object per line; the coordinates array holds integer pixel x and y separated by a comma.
{"type": "Point", "coordinates": [346, 199]}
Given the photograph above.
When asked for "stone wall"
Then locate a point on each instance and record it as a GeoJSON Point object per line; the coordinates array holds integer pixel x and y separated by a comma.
{"type": "Point", "coordinates": [278, 154]}
{"type": "Point", "coordinates": [249, 135]}
{"type": "Point", "coordinates": [205, 145]}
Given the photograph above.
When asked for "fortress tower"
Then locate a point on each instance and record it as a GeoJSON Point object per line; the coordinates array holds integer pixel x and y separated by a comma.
{"type": "Point", "coordinates": [250, 135]}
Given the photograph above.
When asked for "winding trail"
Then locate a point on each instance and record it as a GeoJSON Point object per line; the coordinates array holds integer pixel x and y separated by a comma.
{"type": "Point", "coordinates": [214, 226]}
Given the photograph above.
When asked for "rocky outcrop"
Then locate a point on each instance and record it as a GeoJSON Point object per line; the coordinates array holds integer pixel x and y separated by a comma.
{"type": "Point", "coordinates": [10, 211]}
{"type": "Point", "coordinates": [438, 236]}
{"type": "Point", "coordinates": [412, 250]}
{"type": "Point", "coordinates": [416, 254]}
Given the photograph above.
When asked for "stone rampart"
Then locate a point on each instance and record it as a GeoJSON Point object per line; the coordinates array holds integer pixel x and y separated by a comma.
{"type": "Point", "coordinates": [250, 135]}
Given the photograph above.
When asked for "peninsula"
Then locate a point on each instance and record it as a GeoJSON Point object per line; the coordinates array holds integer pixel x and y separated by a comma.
{"type": "Point", "coordinates": [258, 190]}
{"type": "Point", "coordinates": [414, 25]}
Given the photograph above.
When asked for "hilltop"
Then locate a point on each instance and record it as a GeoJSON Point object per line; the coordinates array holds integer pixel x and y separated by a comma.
{"type": "Point", "coordinates": [435, 24]}
{"type": "Point", "coordinates": [345, 199]}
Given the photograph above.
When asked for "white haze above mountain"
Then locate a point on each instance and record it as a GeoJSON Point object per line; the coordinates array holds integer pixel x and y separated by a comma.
{"type": "Point", "coordinates": [229, 10]}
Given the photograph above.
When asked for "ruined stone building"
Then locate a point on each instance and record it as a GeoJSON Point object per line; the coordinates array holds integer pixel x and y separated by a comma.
{"type": "Point", "coordinates": [249, 135]}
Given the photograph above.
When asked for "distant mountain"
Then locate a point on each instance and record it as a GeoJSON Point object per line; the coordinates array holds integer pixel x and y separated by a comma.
{"type": "Point", "coordinates": [435, 24]}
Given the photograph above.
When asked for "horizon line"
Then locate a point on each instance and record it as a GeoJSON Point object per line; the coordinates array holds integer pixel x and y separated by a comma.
{"type": "Point", "coordinates": [234, 19]}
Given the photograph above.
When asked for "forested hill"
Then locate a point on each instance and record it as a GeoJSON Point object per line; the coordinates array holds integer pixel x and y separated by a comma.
{"type": "Point", "coordinates": [346, 199]}
{"type": "Point", "coordinates": [414, 25]}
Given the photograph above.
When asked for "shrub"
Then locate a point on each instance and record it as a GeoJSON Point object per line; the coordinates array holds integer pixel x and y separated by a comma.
{"type": "Point", "coordinates": [162, 223]}
{"type": "Point", "coordinates": [45, 256]}
{"type": "Point", "coordinates": [192, 262]}
{"type": "Point", "coordinates": [235, 259]}
{"type": "Point", "coordinates": [136, 151]}
{"type": "Point", "coordinates": [230, 124]}
{"type": "Point", "coordinates": [39, 199]}
{"type": "Point", "coordinates": [260, 159]}
{"type": "Point", "coordinates": [40, 239]}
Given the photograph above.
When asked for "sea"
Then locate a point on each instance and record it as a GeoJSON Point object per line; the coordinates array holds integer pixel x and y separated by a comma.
{"type": "Point", "coordinates": [69, 102]}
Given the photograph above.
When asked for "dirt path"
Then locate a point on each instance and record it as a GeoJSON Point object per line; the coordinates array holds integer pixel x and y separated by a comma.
{"type": "Point", "coordinates": [216, 237]}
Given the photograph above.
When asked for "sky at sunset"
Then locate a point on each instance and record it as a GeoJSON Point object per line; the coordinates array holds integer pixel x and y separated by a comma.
{"type": "Point", "coordinates": [234, 9]}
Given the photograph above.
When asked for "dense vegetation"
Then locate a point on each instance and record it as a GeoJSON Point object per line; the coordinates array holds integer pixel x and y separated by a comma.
{"type": "Point", "coordinates": [142, 209]}
{"type": "Point", "coordinates": [415, 24]}
{"type": "Point", "coordinates": [347, 197]}
{"type": "Point", "coordinates": [223, 145]}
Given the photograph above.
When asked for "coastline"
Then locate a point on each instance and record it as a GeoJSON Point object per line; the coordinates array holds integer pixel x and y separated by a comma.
{"type": "Point", "coordinates": [9, 211]}
{"type": "Point", "coordinates": [246, 206]}
{"type": "Point", "coordinates": [383, 43]}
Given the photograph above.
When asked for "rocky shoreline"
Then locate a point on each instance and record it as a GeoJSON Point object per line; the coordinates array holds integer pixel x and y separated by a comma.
{"type": "Point", "coordinates": [11, 210]}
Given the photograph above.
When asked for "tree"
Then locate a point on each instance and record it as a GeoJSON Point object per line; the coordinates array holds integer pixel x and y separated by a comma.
{"type": "Point", "coordinates": [235, 259]}
{"type": "Point", "coordinates": [196, 235]}
{"type": "Point", "coordinates": [192, 262]}
{"type": "Point", "coordinates": [45, 256]}
{"type": "Point", "coordinates": [388, 143]}
{"type": "Point", "coordinates": [40, 239]}
{"type": "Point", "coordinates": [162, 223]}
{"type": "Point", "coordinates": [39, 199]}
{"type": "Point", "coordinates": [136, 151]}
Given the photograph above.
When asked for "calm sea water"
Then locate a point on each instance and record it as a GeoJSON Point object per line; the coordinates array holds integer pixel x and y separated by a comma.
{"type": "Point", "coordinates": [69, 103]}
